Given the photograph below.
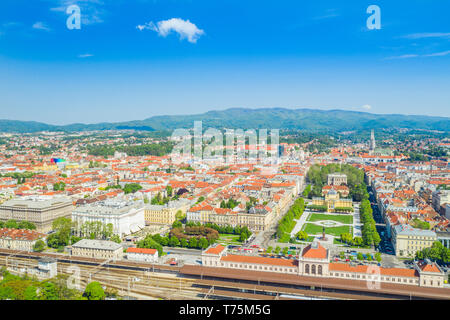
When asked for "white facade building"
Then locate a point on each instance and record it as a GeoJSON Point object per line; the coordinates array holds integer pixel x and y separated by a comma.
{"type": "Point", "coordinates": [126, 217]}
{"type": "Point", "coordinates": [143, 255]}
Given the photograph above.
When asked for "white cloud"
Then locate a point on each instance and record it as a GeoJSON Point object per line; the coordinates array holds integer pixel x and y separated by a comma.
{"type": "Point", "coordinates": [85, 55]}
{"type": "Point", "coordinates": [367, 107]}
{"type": "Point", "coordinates": [438, 54]}
{"type": "Point", "coordinates": [428, 35]}
{"type": "Point", "coordinates": [405, 56]}
{"type": "Point", "coordinates": [408, 56]}
{"type": "Point", "coordinates": [41, 26]}
{"type": "Point", "coordinates": [184, 28]}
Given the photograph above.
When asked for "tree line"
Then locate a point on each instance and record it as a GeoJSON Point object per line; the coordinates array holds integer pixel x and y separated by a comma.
{"type": "Point", "coordinates": [153, 149]}
{"type": "Point", "coordinates": [287, 223]}
{"type": "Point", "coordinates": [369, 232]}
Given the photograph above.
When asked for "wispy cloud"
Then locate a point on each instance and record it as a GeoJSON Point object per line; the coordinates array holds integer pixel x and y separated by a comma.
{"type": "Point", "coordinates": [367, 107]}
{"type": "Point", "coordinates": [41, 26]}
{"type": "Point", "coordinates": [404, 56]}
{"type": "Point", "coordinates": [438, 54]}
{"type": "Point", "coordinates": [408, 56]}
{"type": "Point", "coordinates": [425, 35]}
{"type": "Point", "coordinates": [184, 28]}
{"type": "Point", "coordinates": [85, 55]}
{"type": "Point", "coordinates": [331, 13]}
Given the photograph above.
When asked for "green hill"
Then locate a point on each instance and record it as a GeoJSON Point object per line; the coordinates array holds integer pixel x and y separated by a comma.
{"type": "Point", "coordinates": [311, 120]}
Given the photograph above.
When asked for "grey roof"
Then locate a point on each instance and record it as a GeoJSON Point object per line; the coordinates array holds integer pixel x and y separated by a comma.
{"type": "Point", "coordinates": [97, 244]}
{"type": "Point", "coordinates": [37, 202]}
{"type": "Point", "coordinates": [405, 229]}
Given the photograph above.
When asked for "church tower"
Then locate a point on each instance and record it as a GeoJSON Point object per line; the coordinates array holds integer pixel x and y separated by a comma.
{"type": "Point", "coordinates": [372, 144]}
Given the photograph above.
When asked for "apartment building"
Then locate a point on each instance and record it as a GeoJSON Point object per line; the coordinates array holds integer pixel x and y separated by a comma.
{"type": "Point", "coordinates": [408, 240]}
{"type": "Point", "coordinates": [19, 239]}
{"type": "Point", "coordinates": [165, 214]}
{"type": "Point", "coordinates": [41, 211]}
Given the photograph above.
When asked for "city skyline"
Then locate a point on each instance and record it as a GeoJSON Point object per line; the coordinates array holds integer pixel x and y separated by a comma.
{"type": "Point", "coordinates": [153, 58]}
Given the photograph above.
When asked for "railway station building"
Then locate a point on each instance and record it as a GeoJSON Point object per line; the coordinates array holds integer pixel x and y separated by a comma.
{"type": "Point", "coordinates": [314, 261]}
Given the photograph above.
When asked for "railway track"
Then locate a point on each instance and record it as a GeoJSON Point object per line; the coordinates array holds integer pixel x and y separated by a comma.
{"type": "Point", "coordinates": [167, 282]}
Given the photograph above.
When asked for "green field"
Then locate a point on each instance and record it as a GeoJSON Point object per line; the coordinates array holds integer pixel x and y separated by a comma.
{"type": "Point", "coordinates": [347, 219]}
{"type": "Point", "coordinates": [227, 239]}
{"type": "Point", "coordinates": [336, 231]}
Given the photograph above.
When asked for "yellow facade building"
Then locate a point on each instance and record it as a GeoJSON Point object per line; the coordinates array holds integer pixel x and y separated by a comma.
{"type": "Point", "coordinates": [333, 201]}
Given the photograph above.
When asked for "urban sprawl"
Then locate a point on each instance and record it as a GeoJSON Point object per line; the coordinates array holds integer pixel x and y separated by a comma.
{"type": "Point", "coordinates": [371, 214]}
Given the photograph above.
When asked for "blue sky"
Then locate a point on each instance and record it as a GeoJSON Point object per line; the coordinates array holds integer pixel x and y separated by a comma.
{"type": "Point", "coordinates": [133, 59]}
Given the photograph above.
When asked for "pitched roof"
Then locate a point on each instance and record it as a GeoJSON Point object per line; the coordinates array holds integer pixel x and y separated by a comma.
{"type": "Point", "coordinates": [259, 260]}
{"type": "Point", "coordinates": [142, 250]}
{"type": "Point", "coordinates": [215, 250]}
{"type": "Point", "coordinates": [399, 272]}
{"type": "Point", "coordinates": [315, 251]}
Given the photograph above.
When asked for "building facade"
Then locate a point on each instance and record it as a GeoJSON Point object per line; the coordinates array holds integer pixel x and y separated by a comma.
{"type": "Point", "coordinates": [408, 240]}
{"type": "Point", "coordinates": [99, 249]}
{"type": "Point", "coordinates": [126, 217]}
{"type": "Point", "coordinates": [19, 239]}
{"type": "Point", "coordinates": [314, 262]}
{"type": "Point", "coordinates": [165, 214]}
{"type": "Point", "coordinates": [41, 211]}
{"type": "Point", "coordinates": [337, 179]}
{"type": "Point", "coordinates": [332, 201]}
{"type": "Point", "coordinates": [143, 255]}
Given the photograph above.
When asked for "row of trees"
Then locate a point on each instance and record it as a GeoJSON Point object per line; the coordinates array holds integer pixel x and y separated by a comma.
{"type": "Point", "coordinates": [95, 230]}
{"type": "Point", "coordinates": [13, 224]}
{"type": "Point", "coordinates": [356, 241]}
{"type": "Point", "coordinates": [63, 233]}
{"type": "Point", "coordinates": [243, 232]}
{"type": "Point", "coordinates": [157, 242]}
{"type": "Point", "coordinates": [287, 223]}
{"type": "Point", "coordinates": [277, 250]}
{"type": "Point", "coordinates": [361, 257]}
{"type": "Point", "coordinates": [315, 207]}
{"type": "Point", "coordinates": [154, 149]}
{"type": "Point", "coordinates": [369, 231]}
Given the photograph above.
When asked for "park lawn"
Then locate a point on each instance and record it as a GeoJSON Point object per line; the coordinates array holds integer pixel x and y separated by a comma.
{"type": "Point", "coordinates": [347, 219]}
{"type": "Point", "coordinates": [315, 229]}
{"type": "Point", "coordinates": [227, 239]}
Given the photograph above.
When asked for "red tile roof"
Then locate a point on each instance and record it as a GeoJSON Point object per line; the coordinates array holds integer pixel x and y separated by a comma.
{"type": "Point", "coordinates": [215, 250]}
{"type": "Point", "coordinates": [315, 253]}
{"type": "Point", "coordinates": [259, 260]}
{"type": "Point", "coordinates": [142, 250]}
